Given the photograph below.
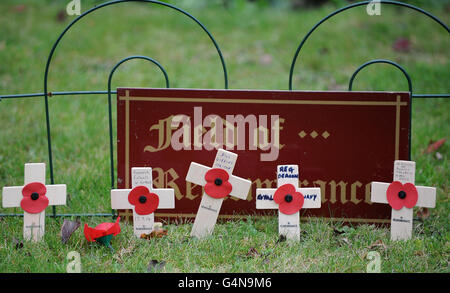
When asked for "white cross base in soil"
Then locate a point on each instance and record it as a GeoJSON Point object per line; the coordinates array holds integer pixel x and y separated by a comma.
{"type": "Point", "coordinates": [288, 225]}
{"type": "Point", "coordinates": [402, 219]}
{"type": "Point", "coordinates": [209, 209]}
{"type": "Point", "coordinates": [34, 224]}
{"type": "Point", "coordinates": [143, 224]}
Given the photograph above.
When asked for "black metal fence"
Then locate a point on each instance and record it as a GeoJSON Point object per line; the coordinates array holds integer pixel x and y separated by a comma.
{"type": "Point", "coordinates": [46, 94]}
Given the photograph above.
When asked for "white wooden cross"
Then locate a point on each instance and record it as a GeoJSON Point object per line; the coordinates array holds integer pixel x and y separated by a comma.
{"type": "Point", "coordinates": [288, 225]}
{"type": "Point", "coordinates": [402, 219]}
{"type": "Point", "coordinates": [142, 176]}
{"type": "Point", "coordinates": [209, 209]}
{"type": "Point", "coordinates": [34, 223]}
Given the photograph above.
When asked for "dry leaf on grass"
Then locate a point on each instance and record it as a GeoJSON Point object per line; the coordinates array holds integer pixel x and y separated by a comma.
{"type": "Point", "coordinates": [160, 233]}
{"type": "Point", "coordinates": [402, 45]}
{"type": "Point", "coordinates": [68, 228]}
{"type": "Point", "coordinates": [378, 244]}
{"type": "Point", "coordinates": [61, 16]}
{"type": "Point", "coordinates": [419, 253]}
{"type": "Point", "coordinates": [155, 266]}
{"type": "Point", "coordinates": [19, 8]}
{"type": "Point", "coordinates": [252, 252]}
{"type": "Point", "coordinates": [434, 146]}
{"type": "Point", "coordinates": [423, 213]}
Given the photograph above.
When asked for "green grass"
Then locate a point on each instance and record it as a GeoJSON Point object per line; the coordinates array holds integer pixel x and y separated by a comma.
{"type": "Point", "coordinates": [258, 45]}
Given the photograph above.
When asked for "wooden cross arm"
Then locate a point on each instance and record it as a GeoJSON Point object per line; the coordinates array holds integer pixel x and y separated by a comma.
{"type": "Point", "coordinates": [56, 194]}
{"type": "Point", "coordinates": [119, 198]}
{"type": "Point", "coordinates": [241, 187]}
{"type": "Point", "coordinates": [427, 195]}
{"type": "Point", "coordinates": [378, 192]}
{"type": "Point", "coordinates": [264, 198]}
{"type": "Point", "coordinates": [166, 198]}
{"type": "Point", "coordinates": [12, 195]}
{"type": "Point", "coordinates": [312, 197]}
{"type": "Point", "coordinates": [197, 172]}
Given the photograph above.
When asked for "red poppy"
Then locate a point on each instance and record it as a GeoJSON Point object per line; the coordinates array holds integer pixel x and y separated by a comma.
{"type": "Point", "coordinates": [34, 200]}
{"type": "Point", "coordinates": [143, 200]}
{"type": "Point", "coordinates": [101, 230]}
{"type": "Point", "coordinates": [401, 195]}
{"type": "Point", "coordinates": [217, 185]}
{"type": "Point", "coordinates": [289, 200]}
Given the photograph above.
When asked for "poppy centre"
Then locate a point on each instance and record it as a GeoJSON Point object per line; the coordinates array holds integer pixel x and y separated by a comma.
{"type": "Point", "coordinates": [218, 181]}
{"type": "Point", "coordinates": [402, 194]}
{"type": "Point", "coordinates": [142, 199]}
{"type": "Point", "coordinates": [288, 197]}
{"type": "Point", "coordinates": [34, 196]}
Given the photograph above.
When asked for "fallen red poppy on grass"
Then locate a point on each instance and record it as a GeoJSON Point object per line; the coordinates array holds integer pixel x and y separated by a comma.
{"type": "Point", "coordinates": [102, 233]}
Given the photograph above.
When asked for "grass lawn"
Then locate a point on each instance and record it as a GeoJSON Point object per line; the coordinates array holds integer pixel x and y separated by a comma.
{"type": "Point", "coordinates": [258, 44]}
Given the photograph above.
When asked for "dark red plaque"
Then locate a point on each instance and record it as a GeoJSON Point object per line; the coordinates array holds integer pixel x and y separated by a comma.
{"type": "Point", "coordinates": [342, 141]}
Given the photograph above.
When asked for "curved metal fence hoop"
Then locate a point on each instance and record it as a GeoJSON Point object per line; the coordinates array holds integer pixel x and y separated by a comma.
{"type": "Point", "coordinates": [385, 61]}
{"type": "Point", "coordinates": [111, 144]}
{"type": "Point", "coordinates": [49, 59]}
{"type": "Point", "coordinates": [410, 88]}
{"type": "Point", "coordinates": [297, 52]}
